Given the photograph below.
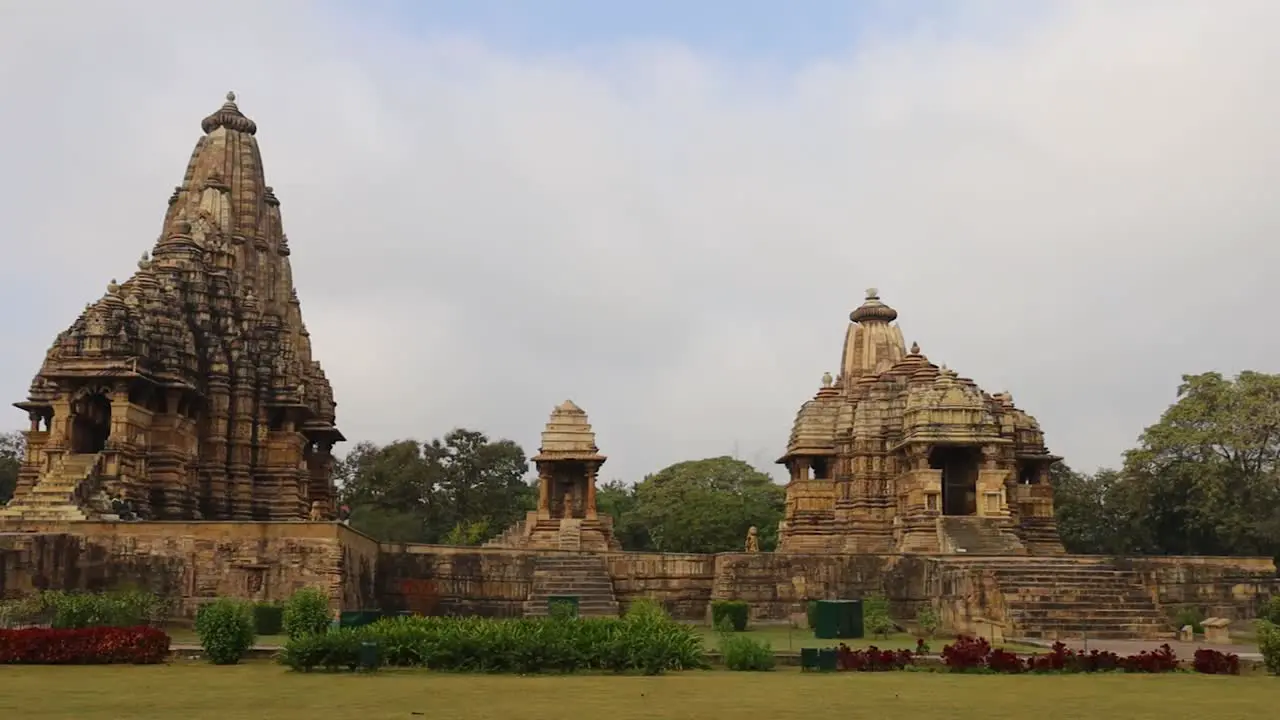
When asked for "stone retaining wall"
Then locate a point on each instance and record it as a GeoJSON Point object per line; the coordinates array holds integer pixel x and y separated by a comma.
{"type": "Point", "coordinates": [193, 562]}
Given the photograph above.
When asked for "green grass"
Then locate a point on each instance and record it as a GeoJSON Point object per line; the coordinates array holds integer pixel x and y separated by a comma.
{"type": "Point", "coordinates": [262, 690]}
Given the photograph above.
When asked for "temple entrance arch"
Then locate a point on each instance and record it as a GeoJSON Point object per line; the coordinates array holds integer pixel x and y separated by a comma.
{"type": "Point", "coordinates": [959, 465]}
{"type": "Point", "coordinates": [90, 423]}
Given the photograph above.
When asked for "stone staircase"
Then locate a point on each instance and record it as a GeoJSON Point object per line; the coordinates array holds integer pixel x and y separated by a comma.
{"type": "Point", "coordinates": [586, 576]}
{"type": "Point", "coordinates": [977, 536]}
{"type": "Point", "coordinates": [570, 535]}
{"type": "Point", "coordinates": [63, 493]}
{"type": "Point", "coordinates": [1069, 598]}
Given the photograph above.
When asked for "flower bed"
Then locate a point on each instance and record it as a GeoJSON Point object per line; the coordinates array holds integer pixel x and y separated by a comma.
{"type": "Point", "coordinates": [970, 654]}
{"type": "Point", "coordinates": [84, 646]}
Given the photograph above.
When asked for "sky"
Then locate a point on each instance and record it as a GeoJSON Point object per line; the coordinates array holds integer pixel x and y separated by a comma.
{"type": "Point", "coordinates": [665, 211]}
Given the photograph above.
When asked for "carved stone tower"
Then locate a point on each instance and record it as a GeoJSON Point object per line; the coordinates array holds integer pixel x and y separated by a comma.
{"type": "Point", "coordinates": [189, 390]}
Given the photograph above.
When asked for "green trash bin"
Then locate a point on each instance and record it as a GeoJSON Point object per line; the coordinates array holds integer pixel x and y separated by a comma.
{"type": "Point", "coordinates": [568, 601]}
{"type": "Point", "coordinates": [838, 619]}
{"type": "Point", "coordinates": [369, 656]}
{"type": "Point", "coordinates": [808, 659]}
{"type": "Point", "coordinates": [827, 660]}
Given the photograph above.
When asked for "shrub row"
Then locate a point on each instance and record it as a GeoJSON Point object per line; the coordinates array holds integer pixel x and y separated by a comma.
{"type": "Point", "coordinates": [970, 654]}
{"type": "Point", "coordinates": [647, 640]}
{"type": "Point", "coordinates": [83, 646]}
{"type": "Point", "coordinates": [69, 610]}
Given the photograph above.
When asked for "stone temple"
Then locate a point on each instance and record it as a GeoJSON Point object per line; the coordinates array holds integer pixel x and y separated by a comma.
{"type": "Point", "coordinates": [189, 390]}
{"type": "Point", "coordinates": [897, 454]}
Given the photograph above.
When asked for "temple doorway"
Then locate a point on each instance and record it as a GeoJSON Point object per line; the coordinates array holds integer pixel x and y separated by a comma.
{"type": "Point", "coordinates": [91, 425]}
{"type": "Point", "coordinates": [959, 466]}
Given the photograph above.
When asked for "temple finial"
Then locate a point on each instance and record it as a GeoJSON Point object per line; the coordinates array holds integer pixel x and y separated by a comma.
{"type": "Point", "coordinates": [873, 294]}
{"type": "Point", "coordinates": [231, 96]}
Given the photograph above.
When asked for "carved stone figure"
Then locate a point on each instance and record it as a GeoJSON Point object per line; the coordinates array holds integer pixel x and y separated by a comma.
{"type": "Point", "coordinates": [753, 540]}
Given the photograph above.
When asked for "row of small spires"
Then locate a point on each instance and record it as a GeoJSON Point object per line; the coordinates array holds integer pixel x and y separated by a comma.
{"type": "Point", "coordinates": [829, 383]}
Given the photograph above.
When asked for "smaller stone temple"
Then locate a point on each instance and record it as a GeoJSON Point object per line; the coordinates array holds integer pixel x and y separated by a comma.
{"type": "Point", "coordinates": [568, 462]}
{"type": "Point", "coordinates": [897, 454]}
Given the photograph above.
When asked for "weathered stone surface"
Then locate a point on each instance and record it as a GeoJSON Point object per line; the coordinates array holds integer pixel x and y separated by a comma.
{"type": "Point", "coordinates": [188, 391]}
{"type": "Point", "coordinates": [193, 562]}
{"type": "Point", "coordinates": [894, 445]}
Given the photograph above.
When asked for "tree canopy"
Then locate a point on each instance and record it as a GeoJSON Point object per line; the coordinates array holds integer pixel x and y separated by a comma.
{"type": "Point", "coordinates": [12, 448]}
{"type": "Point", "coordinates": [1204, 480]}
{"type": "Point", "coordinates": [462, 489]}
{"type": "Point", "coordinates": [699, 506]}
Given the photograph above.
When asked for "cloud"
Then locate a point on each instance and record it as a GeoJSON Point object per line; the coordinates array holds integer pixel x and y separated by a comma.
{"type": "Point", "coordinates": [1077, 207]}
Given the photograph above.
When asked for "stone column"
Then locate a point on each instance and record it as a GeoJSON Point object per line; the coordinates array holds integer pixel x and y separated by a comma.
{"type": "Point", "coordinates": [544, 492]}
{"type": "Point", "coordinates": [591, 491]}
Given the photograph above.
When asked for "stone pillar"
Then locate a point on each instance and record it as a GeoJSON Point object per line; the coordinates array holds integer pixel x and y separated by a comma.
{"type": "Point", "coordinates": [544, 491]}
{"type": "Point", "coordinates": [592, 470]}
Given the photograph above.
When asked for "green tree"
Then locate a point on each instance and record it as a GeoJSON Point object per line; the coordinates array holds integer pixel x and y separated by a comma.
{"type": "Point", "coordinates": [463, 487]}
{"type": "Point", "coordinates": [617, 499]}
{"type": "Point", "coordinates": [707, 506]}
{"type": "Point", "coordinates": [13, 447]}
{"type": "Point", "coordinates": [1093, 513]}
{"type": "Point", "coordinates": [1207, 475]}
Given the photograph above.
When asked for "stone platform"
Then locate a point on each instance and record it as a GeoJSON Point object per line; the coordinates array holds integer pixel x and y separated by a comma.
{"type": "Point", "coordinates": [195, 562]}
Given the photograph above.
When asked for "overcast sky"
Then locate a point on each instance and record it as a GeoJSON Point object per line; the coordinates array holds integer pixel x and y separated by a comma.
{"type": "Point", "coordinates": [666, 213]}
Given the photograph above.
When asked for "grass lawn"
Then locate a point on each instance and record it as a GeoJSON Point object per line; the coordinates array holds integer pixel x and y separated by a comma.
{"type": "Point", "coordinates": [263, 690]}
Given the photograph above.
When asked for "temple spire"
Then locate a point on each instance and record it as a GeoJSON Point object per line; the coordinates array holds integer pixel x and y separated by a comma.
{"type": "Point", "coordinates": [229, 116]}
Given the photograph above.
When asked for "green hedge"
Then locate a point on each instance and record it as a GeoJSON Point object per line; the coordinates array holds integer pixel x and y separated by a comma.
{"type": "Point", "coordinates": [306, 613]}
{"type": "Point", "coordinates": [734, 613]}
{"type": "Point", "coordinates": [1269, 645]}
{"type": "Point", "coordinates": [268, 618]}
{"type": "Point", "coordinates": [76, 610]}
{"type": "Point", "coordinates": [643, 641]}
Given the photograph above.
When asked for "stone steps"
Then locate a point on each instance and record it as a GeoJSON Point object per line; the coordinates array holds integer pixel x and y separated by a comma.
{"type": "Point", "coordinates": [978, 536]}
{"type": "Point", "coordinates": [585, 576]}
{"type": "Point", "coordinates": [56, 493]}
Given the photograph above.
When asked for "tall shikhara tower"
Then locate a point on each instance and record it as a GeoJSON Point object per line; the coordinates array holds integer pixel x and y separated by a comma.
{"type": "Point", "coordinates": [189, 389]}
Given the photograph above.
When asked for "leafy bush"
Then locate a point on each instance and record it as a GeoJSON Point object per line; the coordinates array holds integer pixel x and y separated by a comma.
{"type": "Point", "coordinates": [306, 613]}
{"type": "Point", "coordinates": [736, 612]}
{"type": "Point", "coordinates": [1192, 616]}
{"type": "Point", "coordinates": [83, 646]}
{"type": "Point", "coordinates": [1061, 659]}
{"type": "Point", "coordinates": [646, 640]}
{"type": "Point", "coordinates": [873, 659]}
{"type": "Point", "coordinates": [966, 654]}
{"type": "Point", "coordinates": [70, 610]}
{"type": "Point", "coordinates": [745, 654]}
{"type": "Point", "coordinates": [268, 618]}
{"type": "Point", "coordinates": [1270, 610]}
{"type": "Point", "coordinates": [875, 616]}
{"type": "Point", "coordinates": [1269, 645]}
{"type": "Point", "coordinates": [927, 621]}
{"type": "Point", "coordinates": [562, 610]}
{"type": "Point", "coordinates": [225, 628]}
{"type": "Point", "coordinates": [1214, 662]}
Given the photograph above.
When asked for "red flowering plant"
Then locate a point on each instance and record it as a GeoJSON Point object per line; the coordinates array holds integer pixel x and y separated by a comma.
{"type": "Point", "coordinates": [83, 646]}
{"type": "Point", "coordinates": [1162, 659]}
{"type": "Point", "coordinates": [1216, 662]}
{"type": "Point", "coordinates": [966, 654]}
{"type": "Point", "coordinates": [873, 659]}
